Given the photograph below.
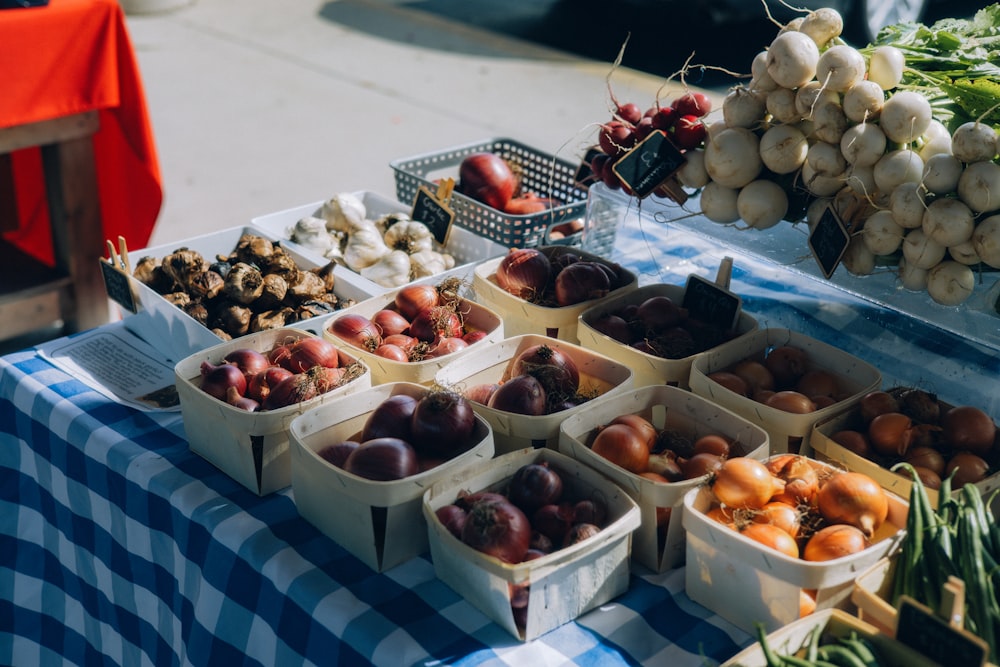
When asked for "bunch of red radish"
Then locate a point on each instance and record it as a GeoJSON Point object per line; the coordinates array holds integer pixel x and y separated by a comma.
{"type": "Point", "coordinates": [290, 372]}
{"type": "Point", "coordinates": [422, 322]}
{"type": "Point", "coordinates": [681, 120]}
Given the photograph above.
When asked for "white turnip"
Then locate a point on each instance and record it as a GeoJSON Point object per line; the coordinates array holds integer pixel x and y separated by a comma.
{"type": "Point", "coordinates": [941, 173]}
{"type": "Point", "coordinates": [760, 79]}
{"type": "Point", "coordinates": [743, 107]}
{"type": "Point", "coordinates": [979, 186]}
{"type": "Point", "coordinates": [822, 25]}
{"type": "Point", "coordinates": [820, 185]}
{"type": "Point", "coordinates": [783, 148]}
{"type": "Point", "coordinates": [863, 144]}
{"type": "Point", "coordinates": [920, 251]}
{"type": "Point", "coordinates": [840, 67]}
{"type": "Point", "coordinates": [811, 96]}
{"type": "Point", "coordinates": [826, 159]}
{"type": "Point", "coordinates": [948, 221]}
{"type": "Point", "coordinates": [780, 103]}
{"type": "Point", "coordinates": [974, 142]}
{"type": "Point", "coordinates": [732, 157]}
{"type": "Point", "coordinates": [829, 122]}
{"type": "Point", "coordinates": [792, 58]}
{"type": "Point", "coordinates": [897, 167]}
{"type": "Point", "coordinates": [907, 203]}
{"type": "Point", "coordinates": [863, 101]}
{"type": "Point", "coordinates": [905, 116]}
{"type": "Point", "coordinates": [912, 277]}
{"type": "Point", "coordinates": [718, 203]}
{"type": "Point", "coordinates": [986, 240]}
{"type": "Point", "coordinates": [693, 174]}
{"type": "Point", "coordinates": [762, 203]}
{"type": "Point", "coordinates": [858, 259]}
{"type": "Point", "coordinates": [881, 234]}
{"type": "Point", "coordinates": [861, 179]}
{"type": "Point", "coordinates": [965, 253]}
{"type": "Point", "coordinates": [950, 283]}
{"type": "Point", "coordinates": [885, 67]}
{"type": "Point", "coordinates": [936, 140]}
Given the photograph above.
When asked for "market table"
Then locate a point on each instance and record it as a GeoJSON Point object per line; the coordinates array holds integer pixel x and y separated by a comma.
{"type": "Point", "coordinates": [76, 147]}
{"type": "Point", "coordinates": [120, 546]}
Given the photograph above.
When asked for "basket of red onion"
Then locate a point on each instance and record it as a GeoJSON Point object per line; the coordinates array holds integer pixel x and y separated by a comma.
{"type": "Point", "coordinates": [407, 335]}
{"type": "Point", "coordinates": [238, 398]}
{"type": "Point", "coordinates": [525, 386]}
{"type": "Point", "coordinates": [648, 330]}
{"type": "Point", "coordinates": [360, 466]}
{"type": "Point", "coordinates": [533, 538]}
{"type": "Point", "coordinates": [544, 290]}
{"type": "Point", "coordinates": [506, 191]}
{"type": "Point", "coordinates": [783, 380]}
{"type": "Point", "coordinates": [657, 443]}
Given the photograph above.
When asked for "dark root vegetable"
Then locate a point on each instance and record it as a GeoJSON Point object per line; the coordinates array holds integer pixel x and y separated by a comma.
{"type": "Point", "coordinates": [554, 368]}
{"type": "Point", "coordinates": [534, 485]}
{"type": "Point", "coordinates": [498, 528]}
{"type": "Point", "coordinates": [523, 395]}
{"type": "Point", "coordinates": [487, 178]}
{"type": "Point", "coordinates": [920, 406]}
{"type": "Point", "coordinates": [580, 532]}
{"type": "Point", "coordinates": [392, 418]}
{"type": "Point", "coordinates": [442, 424]}
{"type": "Point", "coordinates": [581, 281]}
{"type": "Point", "coordinates": [524, 272]}
{"type": "Point", "coordinates": [337, 453]}
{"type": "Point", "coordinates": [452, 517]}
{"type": "Point", "coordinates": [383, 460]}
{"type": "Point", "coordinates": [968, 428]}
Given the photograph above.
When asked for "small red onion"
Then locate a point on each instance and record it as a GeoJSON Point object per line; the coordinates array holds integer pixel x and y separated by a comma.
{"type": "Point", "coordinates": [524, 272]}
{"type": "Point", "coordinates": [436, 322]}
{"type": "Point", "coordinates": [357, 330]}
{"type": "Point", "coordinates": [217, 379]}
{"type": "Point", "coordinates": [452, 517]}
{"type": "Point", "coordinates": [310, 352]}
{"type": "Point", "coordinates": [259, 385]}
{"type": "Point", "coordinates": [337, 453]}
{"type": "Point", "coordinates": [391, 418]}
{"type": "Point", "coordinates": [533, 485]}
{"type": "Point", "coordinates": [446, 346]}
{"type": "Point", "coordinates": [442, 424]}
{"type": "Point", "coordinates": [579, 282]}
{"type": "Point", "coordinates": [412, 299]}
{"type": "Point", "coordinates": [249, 361]}
{"type": "Point", "coordinates": [523, 395]}
{"type": "Point", "coordinates": [383, 460]}
{"type": "Point", "coordinates": [498, 528]}
{"type": "Point", "coordinates": [390, 322]}
{"type": "Point", "coordinates": [580, 532]}
{"type": "Point", "coordinates": [242, 402]}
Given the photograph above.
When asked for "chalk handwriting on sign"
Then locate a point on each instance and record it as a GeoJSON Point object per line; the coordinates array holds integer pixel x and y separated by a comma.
{"type": "Point", "coordinates": [710, 303]}
{"type": "Point", "coordinates": [650, 163]}
{"type": "Point", "coordinates": [828, 241]}
{"type": "Point", "coordinates": [431, 210]}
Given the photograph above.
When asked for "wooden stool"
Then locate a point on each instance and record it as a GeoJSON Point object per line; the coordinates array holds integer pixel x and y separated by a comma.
{"type": "Point", "coordinates": [33, 295]}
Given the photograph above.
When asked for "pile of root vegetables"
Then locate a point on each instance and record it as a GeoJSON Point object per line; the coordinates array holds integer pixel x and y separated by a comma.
{"type": "Point", "coordinates": [897, 138]}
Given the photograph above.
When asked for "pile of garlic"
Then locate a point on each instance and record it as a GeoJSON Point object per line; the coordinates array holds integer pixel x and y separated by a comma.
{"type": "Point", "coordinates": [391, 250]}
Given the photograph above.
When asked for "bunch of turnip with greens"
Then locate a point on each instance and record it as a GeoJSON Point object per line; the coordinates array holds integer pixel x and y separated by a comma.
{"type": "Point", "coordinates": [898, 138]}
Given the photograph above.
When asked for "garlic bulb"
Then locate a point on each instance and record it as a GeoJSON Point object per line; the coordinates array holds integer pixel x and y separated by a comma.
{"type": "Point", "coordinates": [344, 212]}
{"type": "Point", "coordinates": [393, 270]}
{"type": "Point", "coordinates": [364, 247]}
{"type": "Point", "coordinates": [409, 236]}
{"type": "Point", "coordinates": [429, 263]}
{"type": "Point", "coordinates": [310, 232]}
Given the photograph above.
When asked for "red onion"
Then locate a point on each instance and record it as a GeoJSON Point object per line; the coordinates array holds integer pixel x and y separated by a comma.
{"type": "Point", "coordinates": [217, 379]}
{"type": "Point", "coordinates": [590, 511]}
{"type": "Point", "coordinates": [242, 402]}
{"type": "Point", "coordinates": [498, 528]}
{"type": "Point", "coordinates": [390, 322]}
{"type": "Point", "coordinates": [553, 521]}
{"type": "Point", "coordinates": [659, 313]}
{"type": "Point", "coordinates": [296, 388]}
{"type": "Point", "coordinates": [357, 330]}
{"type": "Point", "coordinates": [580, 532]}
{"type": "Point", "coordinates": [259, 385]}
{"type": "Point", "coordinates": [306, 353]}
{"type": "Point", "coordinates": [524, 272]}
{"type": "Point", "coordinates": [523, 395]}
{"type": "Point", "coordinates": [555, 369]}
{"type": "Point", "coordinates": [383, 460]}
{"type": "Point", "coordinates": [614, 327]}
{"type": "Point", "coordinates": [533, 485]}
{"type": "Point", "coordinates": [391, 418]}
{"type": "Point", "coordinates": [446, 346]}
{"type": "Point", "coordinates": [391, 352]}
{"type": "Point", "coordinates": [412, 299]}
{"type": "Point", "coordinates": [475, 336]}
{"type": "Point", "coordinates": [249, 361]}
{"type": "Point", "coordinates": [436, 322]}
{"type": "Point", "coordinates": [442, 424]}
{"type": "Point", "coordinates": [481, 393]}
{"type": "Point", "coordinates": [337, 453]}
{"type": "Point", "coordinates": [452, 517]}
{"type": "Point", "coordinates": [487, 178]}
{"type": "Point", "coordinates": [401, 340]}
{"type": "Point", "coordinates": [579, 282]}
{"type": "Point", "coordinates": [467, 500]}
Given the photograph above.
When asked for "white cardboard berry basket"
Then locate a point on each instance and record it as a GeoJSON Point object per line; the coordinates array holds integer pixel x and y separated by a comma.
{"type": "Point", "coordinates": [747, 583]}
{"type": "Point", "coordinates": [649, 369]}
{"type": "Point", "coordinates": [666, 408]}
{"type": "Point", "coordinates": [563, 584]}
{"type": "Point", "coordinates": [523, 317]}
{"type": "Point", "coordinates": [476, 316]}
{"type": "Point", "coordinates": [381, 523]}
{"type": "Point", "coordinates": [786, 431]}
{"type": "Point", "coordinates": [599, 376]}
{"type": "Point", "coordinates": [250, 447]}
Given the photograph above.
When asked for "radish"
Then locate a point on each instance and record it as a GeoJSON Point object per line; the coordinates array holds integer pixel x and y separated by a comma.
{"type": "Point", "coordinates": [783, 149]}
{"type": "Point", "coordinates": [732, 157]}
{"type": "Point", "coordinates": [950, 283]}
{"type": "Point", "coordinates": [863, 144]}
{"type": "Point", "coordinates": [792, 58]}
{"type": "Point", "coordinates": [896, 167]}
{"type": "Point", "coordinates": [692, 174]}
{"type": "Point", "coordinates": [858, 259]}
{"type": "Point", "coordinates": [826, 159]}
{"type": "Point", "coordinates": [762, 203]}
{"type": "Point", "coordinates": [979, 186]}
{"type": "Point", "coordinates": [885, 67]}
{"type": "Point", "coordinates": [948, 221]}
{"type": "Point", "coordinates": [760, 80]}
{"type": "Point", "coordinates": [829, 122]}
{"type": "Point", "coordinates": [907, 205]}
{"type": "Point", "coordinates": [881, 234]}
{"type": "Point", "coordinates": [743, 107]}
{"type": "Point", "coordinates": [820, 185]}
{"type": "Point", "coordinates": [920, 251]}
{"type": "Point", "coordinates": [986, 240]}
{"type": "Point", "coordinates": [780, 103]}
{"type": "Point", "coordinates": [718, 203]}
{"type": "Point", "coordinates": [692, 103]}
{"type": "Point", "coordinates": [912, 277]}
{"type": "Point", "coordinates": [905, 116]}
{"type": "Point", "coordinates": [941, 173]}
{"type": "Point", "coordinates": [936, 140]}
{"type": "Point", "coordinates": [974, 142]}
{"type": "Point", "coordinates": [840, 67]}
{"type": "Point", "coordinates": [822, 25]}
{"type": "Point", "coordinates": [863, 101]}
{"type": "Point", "coordinates": [965, 253]}
{"type": "Point", "coordinates": [811, 96]}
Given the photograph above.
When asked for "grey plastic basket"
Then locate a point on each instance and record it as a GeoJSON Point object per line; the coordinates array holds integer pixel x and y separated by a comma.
{"type": "Point", "coordinates": [544, 174]}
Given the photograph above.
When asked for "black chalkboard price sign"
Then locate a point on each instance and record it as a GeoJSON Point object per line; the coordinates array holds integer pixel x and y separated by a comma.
{"type": "Point", "coordinates": [711, 303]}
{"type": "Point", "coordinates": [118, 287]}
{"type": "Point", "coordinates": [650, 163]}
{"type": "Point", "coordinates": [432, 210]}
{"type": "Point", "coordinates": [927, 633]}
{"type": "Point", "coordinates": [828, 241]}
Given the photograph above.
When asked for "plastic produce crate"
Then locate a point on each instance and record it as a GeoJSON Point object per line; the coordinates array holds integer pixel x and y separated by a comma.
{"type": "Point", "coordinates": [542, 173]}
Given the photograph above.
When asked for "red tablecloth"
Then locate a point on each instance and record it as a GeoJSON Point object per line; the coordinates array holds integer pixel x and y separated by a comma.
{"type": "Point", "coordinates": [65, 58]}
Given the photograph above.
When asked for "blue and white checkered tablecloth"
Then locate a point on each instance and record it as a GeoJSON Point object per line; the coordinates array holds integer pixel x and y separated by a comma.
{"type": "Point", "coordinates": [118, 546]}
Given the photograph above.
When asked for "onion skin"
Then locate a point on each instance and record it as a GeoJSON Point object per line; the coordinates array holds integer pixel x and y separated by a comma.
{"type": "Point", "coordinates": [730, 381]}
{"type": "Point", "coordinates": [383, 460]}
{"type": "Point", "coordinates": [337, 453]}
{"type": "Point", "coordinates": [833, 542]}
{"type": "Point", "coordinates": [259, 385]}
{"type": "Point", "coordinates": [855, 499]}
{"type": "Point", "coordinates": [792, 401]}
{"type": "Point", "coordinates": [442, 424]}
{"type": "Point", "coordinates": [452, 517]}
{"type": "Point", "coordinates": [967, 428]}
{"type": "Point", "coordinates": [744, 483]}
{"type": "Point", "coordinates": [579, 282]}
{"type": "Point", "coordinates": [891, 434]}
{"type": "Point", "coordinates": [854, 441]}
{"type": "Point", "coordinates": [498, 528]}
{"type": "Point", "coordinates": [969, 469]}
{"type": "Point", "coordinates": [390, 322]}
{"type": "Point", "coordinates": [410, 300]}
{"type": "Point", "coordinates": [875, 403]}
{"type": "Point", "coordinates": [554, 368]}
{"type": "Point", "coordinates": [307, 353]}
{"type": "Point", "coordinates": [392, 418]}
{"type": "Point", "coordinates": [523, 395]}
{"type": "Point", "coordinates": [534, 485]}
{"type": "Point", "coordinates": [787, 364]}
{"type": "Point", "coordinates": [641, 425]}
{"type": "Point", "coordinates": [249, 361]}
{"type": "Point", "coordinates": [524, 272]}
{"type": "Point", "coordinates": [357, 330]}
{"type": "Point", "coordinates": [487, 178]}
{"type": "Point", "coordinates": [620, 444]}
{"type": "Point", "coordinates": [772, 537]}
{"type": "Point", "coordinates": [580, 532]}
{"type": "Point", "coordinates": [216, 380]}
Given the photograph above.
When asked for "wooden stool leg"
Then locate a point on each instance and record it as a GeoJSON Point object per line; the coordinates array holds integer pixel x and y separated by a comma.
{"type": "Point", "coordinates": [9, 220]}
